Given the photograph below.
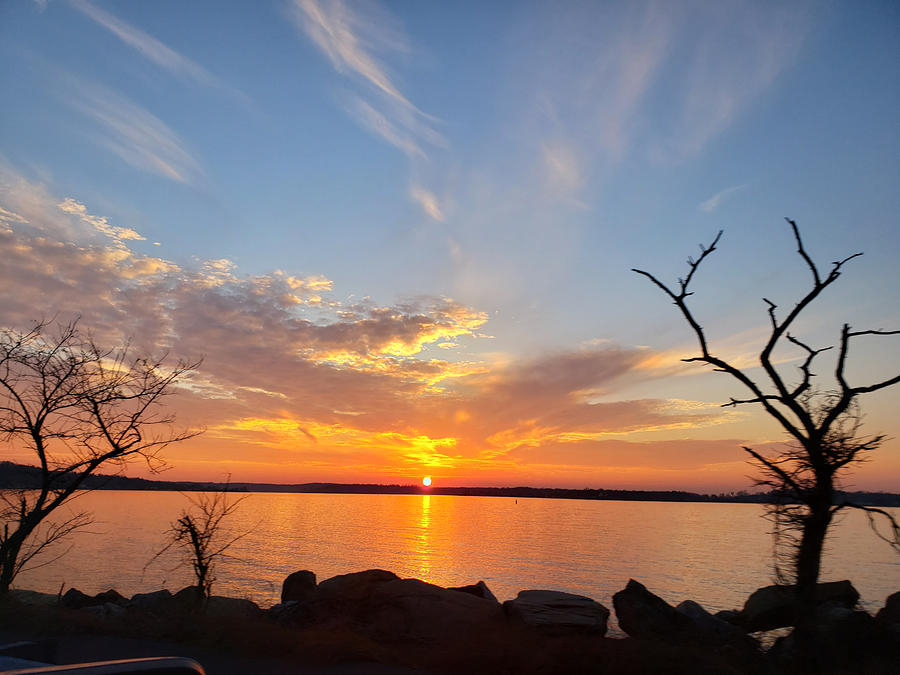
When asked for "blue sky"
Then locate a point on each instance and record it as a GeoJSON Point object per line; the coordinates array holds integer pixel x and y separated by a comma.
{"type": "Point", "coordinates": [492, 169]}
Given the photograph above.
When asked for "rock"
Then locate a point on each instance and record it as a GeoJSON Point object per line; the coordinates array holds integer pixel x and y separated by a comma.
{"type": "Point", "coordinates": [290, 612]}
{"type": "Point", "coordinates": [299, 586]}
{"type": "Point", "coordinates": [890, 613]}
{"type": "Point", "coordinates": [642, 614]}
{"type": "Point", "coordinates": [75, 599]}
{"type": "Point", "coordinates": [385, 607]}
{"type": "Point", "coordinates": [151, 601]}
{"type": "Point", "coordinates": [218, 605]}
{"type": "Point", "coordinates": [411, 609]}
{"type": "Point", "coordinates": [732, 616]}
{"type": "Point", "coordinates": [353, 587]}
{"type": "Point", "coordinates": [33, 598]}
{"type": "Point", "coordinates": [111, 596]}
{"type": "Point", "coordinates": [479, 590]}
{"type": "Point", "coordinates": [714, 629]}
{"type": "Point", "coordinates": [557, 613]}
{"type": "Point", "coordinates": [107, 610]}
{"type": "Point", "coordinates": [773, 606]}
{"type": "Point", "coordinates": [842, 640]}
{"type": "Point", "coordinates": [189, 596]}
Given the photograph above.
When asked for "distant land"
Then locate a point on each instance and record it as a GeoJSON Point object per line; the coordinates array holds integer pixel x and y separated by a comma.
{"type": "Point", "coordinates": [22, 476]}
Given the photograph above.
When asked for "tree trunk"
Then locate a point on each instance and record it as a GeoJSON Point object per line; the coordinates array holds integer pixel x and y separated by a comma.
{"type": "Point", "coordinates": [9, 554]}
{"type": "Point", "coordinates": [808, 563]}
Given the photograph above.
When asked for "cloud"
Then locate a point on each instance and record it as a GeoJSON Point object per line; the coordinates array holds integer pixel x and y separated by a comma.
{"type": "Point", "coordinates": [738, 54]}
{"type": "Point", "coordinates": [351, 39]}
{"type": "Point", "coordinates": [293, 376]}
{"type": "Point", "coordinates": [138, 137]}
{"type": "Point", "coordinates": [101, 224]}
{"type": "Point", "coordinates": [428, 201]}
{"type": "Point", "coordinates": [713, 202]}
{"type": "Point", "coordinates": [348, 40]}
{"type": "Point", "coordinates": [153, 49]}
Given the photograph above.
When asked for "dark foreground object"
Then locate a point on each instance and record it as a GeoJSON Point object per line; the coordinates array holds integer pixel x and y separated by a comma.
{"type": "Point", "coordinates": [374, 622]}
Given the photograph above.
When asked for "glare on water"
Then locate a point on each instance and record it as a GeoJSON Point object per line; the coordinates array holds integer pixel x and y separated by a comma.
{"type": "Point", "coordinates": [713, 553]}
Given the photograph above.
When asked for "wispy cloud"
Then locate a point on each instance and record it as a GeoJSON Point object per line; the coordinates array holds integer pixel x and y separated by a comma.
{"type": "Point", "coordinates": [154, 50]}
{"type": "Point", "coordinates": [737, 56]}
{"type": "Point", "coordinates": [428, 201]}
{"type": "Point", "coordinates": [137, 136]}
{"type": "Point", "coordinates": [713, 202]}
{"type": "Point", "coordinates": [352, 39]}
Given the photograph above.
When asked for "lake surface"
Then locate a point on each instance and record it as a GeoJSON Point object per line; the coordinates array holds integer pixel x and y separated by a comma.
{"type": "Point", "coordinates": [716, 554]}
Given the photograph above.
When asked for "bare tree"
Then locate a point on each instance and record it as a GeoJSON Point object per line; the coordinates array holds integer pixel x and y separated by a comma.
{"type": "Point", "coordinates": [823, 425]}
{"type": "Point", "coordinates": [202, 537]}
{"type": "Point", "coordinates": [77, 408]}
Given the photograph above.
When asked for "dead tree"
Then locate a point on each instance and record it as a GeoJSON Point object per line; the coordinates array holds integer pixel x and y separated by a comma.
{"type": "Point", "coordinates": [201, 536]}
{"type": "Point", "coordinates": [823, 427]}
{"type": "Point", "coordinates": [76, 407]}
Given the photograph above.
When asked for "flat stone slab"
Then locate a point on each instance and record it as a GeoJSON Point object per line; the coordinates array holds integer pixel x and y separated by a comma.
{"type": "Point", "coordinates": [558, 612]}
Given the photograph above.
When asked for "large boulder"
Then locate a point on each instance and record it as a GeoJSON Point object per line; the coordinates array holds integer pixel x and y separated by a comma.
{"type": "Point", "coordinates": [479, 590]}
{"type": "Point", "coordinates": [841, 640]}
{"type": "Point", "coordinates": [189, 597]}
{"type": "Point", "coordinates": [642, 614]}
{"type": "Point", "coordinates": [890, 613]}
{"type": "Point", "coordinates": [111, 596]}
{"type": "Point", "coordinates": [403, 609]}
{"type": "Point", "coordinates": [773, 606]}
{"type": "Point", "coordinates": [151, 602]}
{"type": "Point", "coordinates": [218, 605]}
{"type": "Point", "coordinates": [75, 599]}
{"type": "Point", "coordinates": [387, 607]}
{"type": "Point", "coordinates": [713, 629]}
{"type": "Point", "coordinates": [353, 587]}
{"type": "Point", "coordinates": [558, 613]}
{"type": "Point", "coordinates": [299, 587]}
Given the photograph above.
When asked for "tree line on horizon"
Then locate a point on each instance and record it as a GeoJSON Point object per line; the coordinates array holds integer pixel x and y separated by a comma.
{"type": "Point", "coordinates": [23, 476]}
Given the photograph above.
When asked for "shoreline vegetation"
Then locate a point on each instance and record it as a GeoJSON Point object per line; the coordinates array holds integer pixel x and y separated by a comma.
{"type": "Point", "coordinates": [375, 620]}
{"type": "Point", "coordinates": [22, 476]}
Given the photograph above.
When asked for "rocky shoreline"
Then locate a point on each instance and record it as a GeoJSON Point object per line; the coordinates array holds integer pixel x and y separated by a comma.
{"type": "Point", "coordinates": [415, 624]}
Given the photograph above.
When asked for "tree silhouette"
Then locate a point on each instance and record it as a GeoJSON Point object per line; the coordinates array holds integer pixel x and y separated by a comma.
{"type": "Point", "coordinates": [78, 408]}
{"type": "Point", "coordinates": [823, 427]}
{"type": "Point", "coordinates": [200, 534]}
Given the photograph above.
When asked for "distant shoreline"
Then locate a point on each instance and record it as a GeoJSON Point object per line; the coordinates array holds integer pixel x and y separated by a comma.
{"type": "Point", "coordinates": [21, 476]}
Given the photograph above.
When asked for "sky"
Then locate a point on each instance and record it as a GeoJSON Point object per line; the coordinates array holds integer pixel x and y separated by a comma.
{"type": "Point", "coordinates": [400, 234]}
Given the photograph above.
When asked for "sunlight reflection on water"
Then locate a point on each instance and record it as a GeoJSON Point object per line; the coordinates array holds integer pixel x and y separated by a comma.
{"type": "Point", "coordinates": [713, 553]}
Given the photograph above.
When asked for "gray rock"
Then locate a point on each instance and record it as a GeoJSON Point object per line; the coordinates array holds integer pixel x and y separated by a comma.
{"type": "Point", "coordinates": [107, 610]}
{"type": "Point", "coordinates": [642, 614]}
{"type": "Point", "coordinates": [112, 596]}
{"type": "Point", "coordinates": [291, 612]}
{"type": "Point", "coordinates": [479, 590]}
{"type": "Point", "coordinates": [189, 597]}
{"type": "Point", "coordinates": [299, 586]}
{"type": "Point", "coordinates": [33, 598]}
{"type": "Point", "coordinates": [75, 599]}
{"type": "Point", "coordinates": [558, 613]}
{"type": "Point", "coordinates": [353, 587]}
{"type": "Point", "coordinates": [218, 605]}
{"type": "Point", "coordinates": [890, 613]}
{"type": "Point", "coordinates": [773, 606]}
{"type": "Point", "coordinates": [384, 607]}
{"type": "Point", "coordinates": [411, 609]}
{"type": "Point", "coordinates": [712, 628]}
{"type": "Point", "coordinates": [151, 601]}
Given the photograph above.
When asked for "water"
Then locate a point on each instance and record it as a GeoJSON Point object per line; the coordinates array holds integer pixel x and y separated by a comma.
{"type": "Point", "coordinates": [716, 554]}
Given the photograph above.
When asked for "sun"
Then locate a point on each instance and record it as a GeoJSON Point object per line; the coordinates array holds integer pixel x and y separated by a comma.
{"type": "Point", "coordinates": [426, 481]}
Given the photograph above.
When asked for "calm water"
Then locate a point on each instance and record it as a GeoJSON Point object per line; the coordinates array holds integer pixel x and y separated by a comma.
{"type": "Point", "coordinates": [713, 553]}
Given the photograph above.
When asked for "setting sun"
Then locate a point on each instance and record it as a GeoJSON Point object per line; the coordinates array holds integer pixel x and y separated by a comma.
{"type": "Point", "coordinates": [426, 481]}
